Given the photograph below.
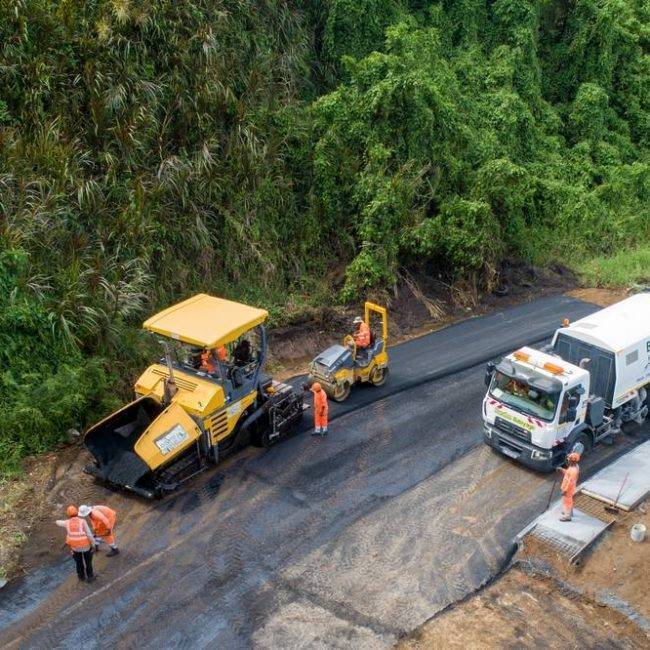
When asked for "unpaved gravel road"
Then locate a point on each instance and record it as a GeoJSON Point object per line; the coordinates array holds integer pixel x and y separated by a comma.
{"type": "Point", "coordinates": [349, 541]}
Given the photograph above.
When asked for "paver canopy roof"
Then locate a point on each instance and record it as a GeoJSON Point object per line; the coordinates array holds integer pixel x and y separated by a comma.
{"type": "Point", "coordinates": [206, 321]}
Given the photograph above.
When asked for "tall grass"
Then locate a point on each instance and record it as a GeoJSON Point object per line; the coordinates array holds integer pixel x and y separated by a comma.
{"type": "Point", "coordinates": [624, 269]}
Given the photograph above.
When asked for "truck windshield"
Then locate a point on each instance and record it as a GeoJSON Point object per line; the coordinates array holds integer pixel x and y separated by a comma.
{"type": "Point", "coordinates": [524, 397]}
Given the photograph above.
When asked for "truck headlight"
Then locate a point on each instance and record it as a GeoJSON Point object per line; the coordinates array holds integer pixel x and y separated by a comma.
{"type": "Point", "coordinates": [540, 454]}
{"type": "Point", "coordinates": [488, 432]}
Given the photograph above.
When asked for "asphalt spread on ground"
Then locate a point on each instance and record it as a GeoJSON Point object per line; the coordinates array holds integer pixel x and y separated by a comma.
{"type": "Point", "coordinates": [346, 541]}
{"type": "Point", "coordinates": [463, 345]}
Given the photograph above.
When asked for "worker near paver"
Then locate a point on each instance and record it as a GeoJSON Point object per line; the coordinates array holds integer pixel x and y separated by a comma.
{"type": "Point", "coordinates": [102, 520]}
{"type": "Point", "coordinates": [569, 483]}
{"type": "Point", "coordinates": [361, 333]}
{"type": "Point", "coordinates": [210, 359]}
{"type": "Point", "coordinates": [320, 410]}
{"type": "Point", "coordinates": [80, 539]}
{"type": "Point", "coordinates": [207, 362]}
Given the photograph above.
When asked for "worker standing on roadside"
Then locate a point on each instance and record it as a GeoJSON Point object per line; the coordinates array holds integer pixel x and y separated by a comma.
{"type": "Point", "coordinates": [361, 333]}
{"type": "Point", "coordinates": [320, 410]}
{"type": "Point", "coordinates": [102, 520]}
{"type": "Point", "coordinates": [569, 483]}
{"type": "Point", "coordinates": [80, 540]}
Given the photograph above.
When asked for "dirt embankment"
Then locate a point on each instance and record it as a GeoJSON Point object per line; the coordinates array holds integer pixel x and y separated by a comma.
{"type": "Point", "coordinates": [417, 306]}
{"type": "Point", "coordinates": [542, 601]}
{"type": "Point", "coordinates": [597, 296]}
{"type": "Point", "coordinates": [616, 565]}
{"type": "Point", "coordinates": [525, 611]}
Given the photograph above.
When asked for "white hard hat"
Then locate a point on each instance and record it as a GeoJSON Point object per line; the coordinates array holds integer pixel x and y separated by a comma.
{"type": "Point", "coordinates": [84, 511]}
{"type": "Point", "coordinates": [358, 319]}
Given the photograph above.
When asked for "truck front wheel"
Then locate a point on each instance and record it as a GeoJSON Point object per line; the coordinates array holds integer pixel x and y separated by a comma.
{"type": "Point", "coordinates": [586, 441]}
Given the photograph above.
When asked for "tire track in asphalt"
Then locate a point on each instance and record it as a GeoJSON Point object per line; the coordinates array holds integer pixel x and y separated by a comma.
{"type": "Point", "coordinates": [236, 530]}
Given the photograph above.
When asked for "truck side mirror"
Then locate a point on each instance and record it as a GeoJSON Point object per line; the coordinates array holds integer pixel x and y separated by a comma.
{"type": "Point", "coordinates": [489, 370]}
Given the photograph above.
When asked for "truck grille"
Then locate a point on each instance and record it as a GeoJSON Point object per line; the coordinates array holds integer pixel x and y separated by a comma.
{"type": "Point", "coordinates": [512, 429]}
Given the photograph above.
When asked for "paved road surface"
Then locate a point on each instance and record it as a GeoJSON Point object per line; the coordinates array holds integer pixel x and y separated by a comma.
{"type": "Point", "coordinates": [348, 541]}
{"type": "Point", "coordinates": [465, 344]}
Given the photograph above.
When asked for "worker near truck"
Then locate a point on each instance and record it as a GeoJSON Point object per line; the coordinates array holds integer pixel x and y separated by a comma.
{"type": "Point", "coordinates": [80, 539]}
{"type": "Point", "coordinates": [320, 410]}
{"type": "Point", "coordinates": [102, 520]}
{"type": "Point", "coordinates": [570, 478]}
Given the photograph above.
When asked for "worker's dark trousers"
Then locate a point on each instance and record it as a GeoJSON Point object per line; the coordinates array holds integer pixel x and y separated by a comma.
{"type": "Point", "coordinates": [84, 562]}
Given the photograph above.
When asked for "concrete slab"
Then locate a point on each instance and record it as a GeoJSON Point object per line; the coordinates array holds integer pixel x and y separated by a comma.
{"type": "Point", "coordinates": [606, 484]}
{"type": "Point", "coordinates": [571, 538]}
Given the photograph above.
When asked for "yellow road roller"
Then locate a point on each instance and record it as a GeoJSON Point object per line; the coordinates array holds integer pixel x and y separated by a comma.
{"type": "Point", "coordinates": [206, 396]}
{"type": "Point", "coordinates": [339, 367]}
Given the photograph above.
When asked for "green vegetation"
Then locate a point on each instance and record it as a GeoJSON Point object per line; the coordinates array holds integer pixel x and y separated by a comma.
{"type": "Point", "coordinates": [625, 268]}
{"type": "Point", "coordinates": [150, 150]}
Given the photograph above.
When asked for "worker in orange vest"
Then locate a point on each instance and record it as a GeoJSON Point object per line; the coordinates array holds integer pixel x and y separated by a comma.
{"type": "Point", "coordinates": [569, 483]}
{"type": "Point", "coordinates": [80, 539]}
{"type": "Point", "coordinates": [102, 520]}
{"type": "Point", "coordinates": [320, 410]}
{"type": "Point", "coordinates": [361, 333]}
{"type": "Point", "coordinates": [222, 353]}
{"type": "Point", "coordinates": [209, 359]}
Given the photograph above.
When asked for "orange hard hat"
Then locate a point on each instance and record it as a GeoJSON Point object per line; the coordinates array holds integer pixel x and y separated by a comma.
{"type": "Point", "coordinates": [72, 511]}
{"type": "Point", "coordinates": [315, 387]}
{"type": "Point", "coordinates": [573, 457]}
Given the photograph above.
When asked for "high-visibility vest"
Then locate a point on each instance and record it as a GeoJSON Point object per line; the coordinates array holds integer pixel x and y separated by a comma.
{"type": "Point", "coordinates": [206, 362]}
{"type": "Point", "coordinates": [76, 537]}
{"type": "Point", "coordinates": [362, 336]}
{"type": "Point", "coordinates": [103, 519]}
{"type": "Point", "coordinates": [320, 403]}
{"type": "Point", "coordinates": [570, 480]}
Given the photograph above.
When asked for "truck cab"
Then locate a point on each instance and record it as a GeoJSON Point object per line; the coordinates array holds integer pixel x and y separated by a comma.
{"type": "Point", "coordinates": [591, 381]}
{"type": "Point", "coordinates": [534, 402]}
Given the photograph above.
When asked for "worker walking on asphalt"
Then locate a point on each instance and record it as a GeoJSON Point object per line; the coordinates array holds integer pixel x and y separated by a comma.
{"type": "Point", "coordinates": [320, 410]}
{"type": "Point", "coordinates": [81, 541]}
{"type": "Point", "coordinates": [569, 483]}
{"type": "Point", "coordinates": [102, 520]}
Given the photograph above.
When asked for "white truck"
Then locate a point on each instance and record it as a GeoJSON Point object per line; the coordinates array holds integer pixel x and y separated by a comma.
{"type": "Point", "coordinates": [591, 380]}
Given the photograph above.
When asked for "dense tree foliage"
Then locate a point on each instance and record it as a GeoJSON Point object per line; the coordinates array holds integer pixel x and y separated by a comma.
{"type": "Point", "coordinates": [152, 149]}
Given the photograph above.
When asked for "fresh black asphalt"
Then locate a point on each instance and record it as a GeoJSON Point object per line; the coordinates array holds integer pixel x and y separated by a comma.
{"type": "Point", "coordinates": [463, 345]}
{"type": "Point", "coordinates": [348, 541]}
